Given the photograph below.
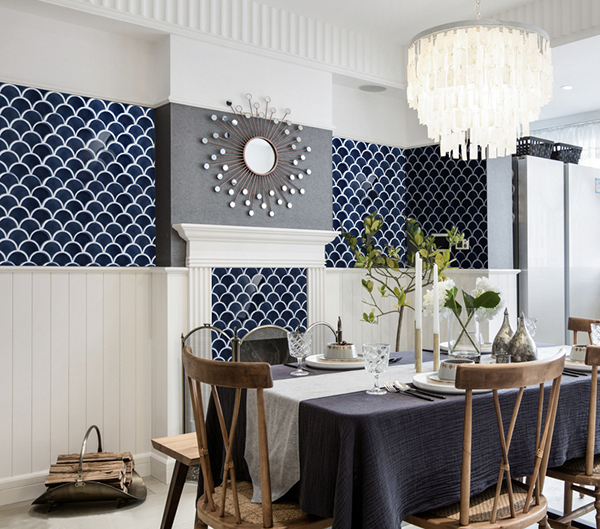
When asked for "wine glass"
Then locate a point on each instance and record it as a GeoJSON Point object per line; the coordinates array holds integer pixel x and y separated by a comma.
{"type": "Point", "coordinates": [376, 357]}
{"type": "Point", "coordinates": [299, 344]}
{"type": "Point", "coordinates": [531, 326]}
{"type": "Point", "coordinates": [595, 328]}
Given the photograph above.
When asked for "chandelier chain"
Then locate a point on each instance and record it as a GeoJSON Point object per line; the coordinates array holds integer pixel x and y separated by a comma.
{"type": "Point", "coordinates": [478, 9]}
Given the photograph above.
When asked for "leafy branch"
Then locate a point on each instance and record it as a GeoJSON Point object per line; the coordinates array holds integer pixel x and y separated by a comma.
{"type": "Point", "coordinates": [391, 276]}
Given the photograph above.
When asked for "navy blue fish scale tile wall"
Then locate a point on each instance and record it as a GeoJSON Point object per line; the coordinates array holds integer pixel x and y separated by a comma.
{"type": "Point", "coordinates": [439, 192]}
{"type": "Point", "coordinates": [76, 180]}
{"type": "Point", "coordinates": [366, 177]}
{"type": "Point", "coordinates": [442, 192]}
{"type": "Point", "coordinates": [249, 297]}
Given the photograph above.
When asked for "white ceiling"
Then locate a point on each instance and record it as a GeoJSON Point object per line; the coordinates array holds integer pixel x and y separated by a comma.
{"type": "Point", "coordinates": [398, 21]}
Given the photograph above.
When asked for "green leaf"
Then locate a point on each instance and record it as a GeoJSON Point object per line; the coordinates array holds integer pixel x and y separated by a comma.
{"type": "Point", "coordinates": [451, 302]}
{"type": "Point", "coordinates": [468, 302]}
{"type": "Point", "coordinates": [418, 239]}
{"type": "Point", "coordinates": [368, 285]}
{"type": "Point", "coordinates": [487, 300]}
{"type": "Point", "coordinates": [382, 290]}
{"type": "Point", "coordinates": [424, 253]}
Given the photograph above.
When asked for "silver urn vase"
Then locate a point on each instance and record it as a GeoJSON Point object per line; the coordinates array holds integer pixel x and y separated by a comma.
{"type": "Point", "coordinates": [521, 347]}
{"type": "Point", "coordinates": [502, 339]}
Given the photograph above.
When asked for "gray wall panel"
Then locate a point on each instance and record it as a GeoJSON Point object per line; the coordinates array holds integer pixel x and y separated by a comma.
{"type": "Point", "coordinates": [192, 196]}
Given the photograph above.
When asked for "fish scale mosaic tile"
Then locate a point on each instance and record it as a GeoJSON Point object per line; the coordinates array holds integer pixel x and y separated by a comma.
{"type": "Point", "coordinates": [442, 192]}
{"type": "Point", "coordinates": [76, 180]}
{"type": "Point", "coordinates": [439, 192]}
{"type": "Point", "coordinates": [366, 177]}
{"type": "Point", "coordinates": [245, 298]}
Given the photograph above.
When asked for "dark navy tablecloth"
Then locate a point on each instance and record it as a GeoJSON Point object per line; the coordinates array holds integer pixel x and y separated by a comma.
{"type": "Point", "coordinates": [370, 461]}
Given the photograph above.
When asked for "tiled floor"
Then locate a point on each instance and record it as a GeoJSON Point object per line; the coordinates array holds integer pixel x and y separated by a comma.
{"type": "Point", "coordinates": [149, 514]}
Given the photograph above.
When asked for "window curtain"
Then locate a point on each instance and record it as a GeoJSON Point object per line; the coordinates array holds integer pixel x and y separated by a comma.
{"type": "Point", "coordinates": [585, 135]}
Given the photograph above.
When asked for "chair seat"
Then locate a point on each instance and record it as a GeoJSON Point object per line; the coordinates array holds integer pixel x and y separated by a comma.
{"type": "Point", "coordinates": [285, 513]}
{"type": "Point", "coordinates": [577, 465]}
{"type": "Point", "coordinates": [480, 506]}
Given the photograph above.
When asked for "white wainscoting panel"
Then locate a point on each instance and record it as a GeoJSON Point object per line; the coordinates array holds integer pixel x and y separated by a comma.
{"type": "Point", "coordinates": [344, 294]}
{"type": "Point", "coordinates": [75, 350]}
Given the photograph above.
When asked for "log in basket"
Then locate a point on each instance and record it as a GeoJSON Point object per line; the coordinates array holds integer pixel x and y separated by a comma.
{"type": "Point", "coordinates": [109, 484]}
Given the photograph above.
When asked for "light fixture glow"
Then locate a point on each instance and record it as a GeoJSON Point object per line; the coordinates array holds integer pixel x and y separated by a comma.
{"type": "Point", "coordinates": [567, 87]}
{"type": "Point", "coordinates": [479, 83]}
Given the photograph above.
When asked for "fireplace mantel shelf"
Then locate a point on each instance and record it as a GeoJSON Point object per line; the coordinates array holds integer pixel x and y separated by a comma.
{"type": "Point", "coordinates": [243, 246]}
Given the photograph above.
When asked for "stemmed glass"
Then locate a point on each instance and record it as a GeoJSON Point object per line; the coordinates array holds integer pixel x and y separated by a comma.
{"type": "Point", "coordinates": [595, 328]}
{"type": "Point", "coordinates": [531, 326]}
{"type": "Point", "coordinates": [299, 344]}
{"type": "Point", "coordinates": [376, 357]}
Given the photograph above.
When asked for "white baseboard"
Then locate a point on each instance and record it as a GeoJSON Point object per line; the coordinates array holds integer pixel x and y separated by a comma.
{"type": "Point", "coordinates": [27, 487]}
{"type": "Point", "coordinates": [161, 467]}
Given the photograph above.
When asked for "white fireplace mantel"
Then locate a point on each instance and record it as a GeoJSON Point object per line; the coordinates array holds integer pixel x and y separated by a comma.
{"type": "Point", "coordinates": [242, 246]}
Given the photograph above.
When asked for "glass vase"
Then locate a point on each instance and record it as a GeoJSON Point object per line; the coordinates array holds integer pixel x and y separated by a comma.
{"type": "Point", "coordinates": [464, 338]}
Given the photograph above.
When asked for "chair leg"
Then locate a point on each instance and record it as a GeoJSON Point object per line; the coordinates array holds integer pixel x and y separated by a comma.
{"type": "Point", "coordinates": [597, 506]}
{"type": "Point", "coordinates": [174, 495]}
{"type": "Point", "coordinates": [568, 499]}
{"type": "Point", "coordinates": [543, 523]}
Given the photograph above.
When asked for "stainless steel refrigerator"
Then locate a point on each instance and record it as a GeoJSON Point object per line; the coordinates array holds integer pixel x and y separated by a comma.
{"type": "Point", "coordinates": [557, 243]}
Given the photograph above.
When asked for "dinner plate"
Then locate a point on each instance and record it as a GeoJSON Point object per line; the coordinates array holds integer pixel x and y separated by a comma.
{"type": "Point", "coordinates": [486, 348]}
{"type": "Point", "coordinates": [425, 381]}
{"type": "Point", "coordinates": [320, 362]}
{"type": "Point", "coordinates": [577, 366]}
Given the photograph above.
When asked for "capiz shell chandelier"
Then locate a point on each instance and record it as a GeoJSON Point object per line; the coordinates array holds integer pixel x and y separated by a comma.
{"type": "Point", "coordinates": [479, 83]}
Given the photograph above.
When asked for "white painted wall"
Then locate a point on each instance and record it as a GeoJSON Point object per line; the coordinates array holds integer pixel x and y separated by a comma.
{"type": "Point", "coordinates": [372, 117]}
{"type": "Point", "coordinates": [207, 75]}
{"type": "Point", "coordinates": [47, 53]}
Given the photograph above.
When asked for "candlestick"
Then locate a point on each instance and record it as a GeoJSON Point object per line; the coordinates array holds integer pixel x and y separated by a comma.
{"type": "Point", "coordinates": [436, 301]}
{"type": "Point", "coordinates": [418, 291]}
{"type": "Point", "coordinates": [436, 352]}
{"type": "Point", "coordinates": [418, 351]}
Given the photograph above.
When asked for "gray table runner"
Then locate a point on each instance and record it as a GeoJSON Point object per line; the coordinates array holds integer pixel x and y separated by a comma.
{"type": "Point", "coordinates": [281, 405]}
{"type": "Point", "coordinates": [282, 410]}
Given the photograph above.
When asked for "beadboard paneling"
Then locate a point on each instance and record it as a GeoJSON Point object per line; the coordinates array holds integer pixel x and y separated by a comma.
{"type": "Point", "coordinates": [75, 351]}
{"type": "Point", "coordinates": [344, 294]}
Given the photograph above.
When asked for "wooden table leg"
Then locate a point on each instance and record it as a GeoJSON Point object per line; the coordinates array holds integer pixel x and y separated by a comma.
{"type": "Point", "coordinates": [175, 489]}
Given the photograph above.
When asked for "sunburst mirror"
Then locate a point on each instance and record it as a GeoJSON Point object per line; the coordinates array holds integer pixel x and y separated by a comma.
{"type": "Point", "coordinates": [259, 158]}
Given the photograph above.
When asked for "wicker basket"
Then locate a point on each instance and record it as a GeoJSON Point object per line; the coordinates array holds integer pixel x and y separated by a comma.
{"type": "Point", "coordinates": [534, 147]}
{"type": "Point", "coordinates": [566, 153]}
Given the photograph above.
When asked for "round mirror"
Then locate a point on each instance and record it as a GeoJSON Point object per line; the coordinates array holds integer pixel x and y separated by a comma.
{"type": "Point", "coordinates": [260, 156]}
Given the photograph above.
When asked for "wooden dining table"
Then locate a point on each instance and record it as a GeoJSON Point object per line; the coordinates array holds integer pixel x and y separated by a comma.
{"type": "Point", "coordinates": [370, 461]}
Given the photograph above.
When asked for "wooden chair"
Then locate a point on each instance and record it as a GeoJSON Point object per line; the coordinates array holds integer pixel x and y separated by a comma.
{"type": "Point", "coordinates": [583, 471]}
{"type": "Point", "coordinates": [580, 325]}
{"type": "Point", "coordinates": [509, 503]}
{"type": "Point", "coordinates": [228, 505]}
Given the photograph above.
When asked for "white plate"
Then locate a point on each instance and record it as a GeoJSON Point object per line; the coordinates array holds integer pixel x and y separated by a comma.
{"type": "Point", "coordinates": [320, 362]}
{"type": "Point", "coordinates": [486, 348]}
{"type": "Point", "coordinates": [577, 366]}
{"type": "Point", "coordinates": [423, 381]}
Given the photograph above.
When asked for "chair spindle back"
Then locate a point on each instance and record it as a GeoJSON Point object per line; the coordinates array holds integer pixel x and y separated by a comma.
{"type": "Point", "coordinates": [510, 376]}
{"type": "Point", "coordinates": [236, 375]}
{"type": "Point", "coordinates": [592, 358]}
{"type": "Point", "coordinates": [580, 325]}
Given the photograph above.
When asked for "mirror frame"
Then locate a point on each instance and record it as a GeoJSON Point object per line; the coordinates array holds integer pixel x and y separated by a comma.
{"type": "Point", "coordinates": [256, 191]}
